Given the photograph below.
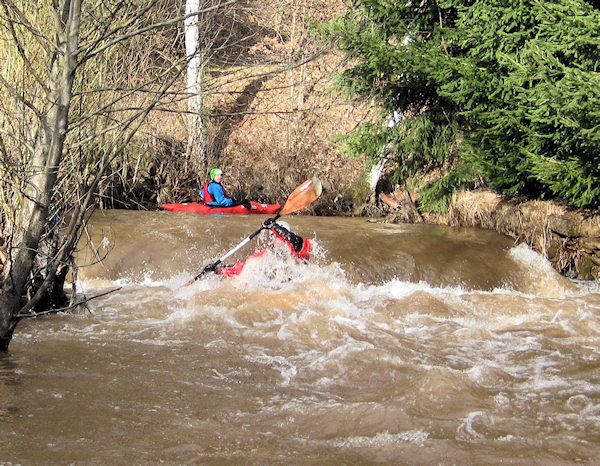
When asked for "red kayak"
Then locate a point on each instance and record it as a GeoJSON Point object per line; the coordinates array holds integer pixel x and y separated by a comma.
{"type": "Point", "coordinates": [257, 208]}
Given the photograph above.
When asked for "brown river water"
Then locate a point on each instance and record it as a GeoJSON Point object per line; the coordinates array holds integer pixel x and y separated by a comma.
{"type": "Point", "coordinates": [397, 344]}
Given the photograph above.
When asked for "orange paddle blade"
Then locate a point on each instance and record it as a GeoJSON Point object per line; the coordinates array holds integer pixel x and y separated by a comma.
{"type": "Point", "coordinates": [302, 196]}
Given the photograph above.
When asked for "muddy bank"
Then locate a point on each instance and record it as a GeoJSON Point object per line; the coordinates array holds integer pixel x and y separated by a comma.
{"type": "Point", "coordinates": [569, 238]}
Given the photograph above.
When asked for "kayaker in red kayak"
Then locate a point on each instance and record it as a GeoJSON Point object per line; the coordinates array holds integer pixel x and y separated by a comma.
{"type": "Point", "coordinates": [214, 194]}
{"type": "Point", "coordinates": [283, 239]}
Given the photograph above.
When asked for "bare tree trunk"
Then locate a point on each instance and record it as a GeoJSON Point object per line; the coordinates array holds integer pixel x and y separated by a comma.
{"type": "Point", "coordinates": [32, 218]}
{"type": "Point", "coordinates": [196, 137]}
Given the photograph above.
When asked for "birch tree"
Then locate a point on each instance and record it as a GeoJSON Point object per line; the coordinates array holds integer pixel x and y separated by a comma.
{"type": "Point", "coordinates": [193, 50]}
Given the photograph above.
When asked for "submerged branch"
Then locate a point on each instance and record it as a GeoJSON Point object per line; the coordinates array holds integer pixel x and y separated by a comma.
{"type": "Point", "coordinates": [62, 309]}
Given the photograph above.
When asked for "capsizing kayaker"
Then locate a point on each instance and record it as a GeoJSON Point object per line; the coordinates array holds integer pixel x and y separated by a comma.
{"type": "Point", "coordinates": [283, 240]}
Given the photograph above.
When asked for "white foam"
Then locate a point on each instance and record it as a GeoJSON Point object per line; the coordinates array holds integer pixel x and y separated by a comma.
{"type": "Point", "coordinates": [541, 277]}
{"type": "Point", "coordinates": [385, 438]}
{"type": "Point", "coordinates": [531, 259]}
{"type": "Point", "coordinates": [468, 424]}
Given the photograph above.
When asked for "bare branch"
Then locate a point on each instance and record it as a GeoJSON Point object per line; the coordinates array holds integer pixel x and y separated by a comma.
{"type": "Point", "coordinates": [19, 96]}
{"type": "Point", "coordinates": [63, 309]}
{"type": "Point", "coordinates": [140, 31]}
{"type": "Point", "coordinates": [28, 65]}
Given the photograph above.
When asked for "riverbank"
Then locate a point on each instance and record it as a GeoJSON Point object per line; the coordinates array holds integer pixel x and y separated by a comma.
{"type": "Point", "coordinates": [567, 237]}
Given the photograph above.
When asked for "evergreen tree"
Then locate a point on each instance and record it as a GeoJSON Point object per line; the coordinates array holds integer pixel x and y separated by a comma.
{"type": "Point", "coordinates": [507, 93]}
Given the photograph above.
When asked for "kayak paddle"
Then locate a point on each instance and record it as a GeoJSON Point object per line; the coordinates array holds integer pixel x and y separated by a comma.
{"type": "Point", "coordinates": [302, 196]}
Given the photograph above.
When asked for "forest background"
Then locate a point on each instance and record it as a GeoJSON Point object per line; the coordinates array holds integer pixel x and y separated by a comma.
{"type": "Point", "coordinates": [128, 104]}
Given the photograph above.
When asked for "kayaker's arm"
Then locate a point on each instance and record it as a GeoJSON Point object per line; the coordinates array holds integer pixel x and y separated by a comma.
{"type": "Point", "coordinates": [231, 270]}
{"type": "Point", "coordinates": [296, 241]}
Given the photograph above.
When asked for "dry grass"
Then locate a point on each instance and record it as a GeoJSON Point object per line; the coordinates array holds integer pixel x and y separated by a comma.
{"type": "Point", "coordinates": [524, 220]}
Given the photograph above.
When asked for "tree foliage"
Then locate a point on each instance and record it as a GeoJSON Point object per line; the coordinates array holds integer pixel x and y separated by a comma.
{"type": "Point", "coordinates": [509, 92]}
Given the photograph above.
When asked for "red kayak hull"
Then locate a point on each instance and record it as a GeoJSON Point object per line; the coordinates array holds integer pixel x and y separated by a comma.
{"type": "Point", "coordinates": [257, 208]}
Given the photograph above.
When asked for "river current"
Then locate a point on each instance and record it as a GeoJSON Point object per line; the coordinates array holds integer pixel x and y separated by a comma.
{"type": "Point", "coordinates": [396, 344]}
